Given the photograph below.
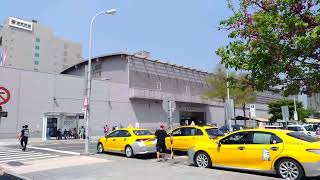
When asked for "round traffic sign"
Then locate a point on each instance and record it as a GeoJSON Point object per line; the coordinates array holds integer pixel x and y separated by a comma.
{"type": "Point", "coordinates": [166, 102]}
{"type": "Point", "coordinates": [4, 96]}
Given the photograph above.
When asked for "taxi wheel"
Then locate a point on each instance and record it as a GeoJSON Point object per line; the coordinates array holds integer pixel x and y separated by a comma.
{"type": "Point", "coordinates": [289, 169]}
{"type": "Point", "coordinates": [202, 160]}
{"type": "Point", "coordinates": [128, 151]}
{"type": "Point", "coordinates": [100, 148]}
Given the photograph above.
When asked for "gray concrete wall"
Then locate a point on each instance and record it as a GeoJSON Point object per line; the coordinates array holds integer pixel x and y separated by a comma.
{"type": "Point", "coordinates": [33, 94]}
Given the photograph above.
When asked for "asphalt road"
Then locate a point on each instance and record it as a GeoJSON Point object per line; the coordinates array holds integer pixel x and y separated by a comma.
{"type": "Point", "coordinates": [115, 166]}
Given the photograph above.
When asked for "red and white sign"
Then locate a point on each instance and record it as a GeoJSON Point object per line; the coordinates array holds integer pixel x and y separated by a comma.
{"type": "Point", "coordinates": [4, 96]}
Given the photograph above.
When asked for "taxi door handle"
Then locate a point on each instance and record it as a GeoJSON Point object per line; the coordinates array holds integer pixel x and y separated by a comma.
{"type": "Point", "coordinates": [241, 148]}
{"type": "Point", "coordinates": [114, 140]}
{"type": "Point", "coordinates": [274, 148]}
{"type": "Point", "coordinates": [124, 139]}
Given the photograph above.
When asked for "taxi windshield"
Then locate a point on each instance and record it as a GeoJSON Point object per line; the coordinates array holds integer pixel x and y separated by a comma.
{"type": "Point", "coordinates": [142, 132]}
{"type": "Point", "coordinates": [214, 132]}
{"type": "Point", "coordinates": [304, 137]}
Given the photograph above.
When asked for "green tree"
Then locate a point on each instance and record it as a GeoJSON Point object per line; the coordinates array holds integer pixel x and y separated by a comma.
{"type": "Point", "coordinates": [277, 41]}
{"type": "Point", "coordinates": [240, 89]}
{"type": "Point", "coordinates": [244, 94]}
{"type": "Point", "coordinates": [275, 110]}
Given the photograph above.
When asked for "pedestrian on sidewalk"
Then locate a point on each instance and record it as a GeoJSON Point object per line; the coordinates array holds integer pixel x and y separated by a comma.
{"type": "Point", "coordinates": [82, 132]}
{"type": "Point", "coordinates": [24, 137]}
{"type": "Point", "coordinates": [106, 129]}
{"type": "Point", "coordinates": [161, 145]}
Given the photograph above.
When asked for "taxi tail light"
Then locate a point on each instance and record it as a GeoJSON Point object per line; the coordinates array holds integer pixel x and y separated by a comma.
{"type": "Point", "coordinates": [142, 140]}
{"type": "Point", "coordinates": [213, 137]}
{"type": "Point", "coordinates": [317, 151]}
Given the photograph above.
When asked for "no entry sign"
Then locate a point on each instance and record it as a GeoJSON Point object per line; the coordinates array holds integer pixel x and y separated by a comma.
{"type": "Point", "coordinates": [4, 96]}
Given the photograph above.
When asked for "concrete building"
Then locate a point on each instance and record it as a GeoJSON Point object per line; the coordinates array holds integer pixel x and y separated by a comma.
{"type": "Point", "coordinates": [127, 89]}
{"type": "Point", "coordinates": [314, 104]}
{"type": "Point", "coordinates": [30, 45]}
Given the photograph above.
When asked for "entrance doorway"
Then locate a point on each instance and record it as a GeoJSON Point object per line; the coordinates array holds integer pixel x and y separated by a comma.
{"type": "Point", "coordinates": [52, 127]}
{"type": "Point", "coordinates": [187, 117]}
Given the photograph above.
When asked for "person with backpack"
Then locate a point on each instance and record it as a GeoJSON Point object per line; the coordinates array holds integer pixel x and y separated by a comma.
{"type": "Point", "coordinates": [24, 137]}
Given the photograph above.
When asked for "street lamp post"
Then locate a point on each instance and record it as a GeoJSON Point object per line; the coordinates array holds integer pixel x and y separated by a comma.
{"type": "Point", "coordinates": [88, 90]}
{"type": "Point", "coordinates": [228, 109]}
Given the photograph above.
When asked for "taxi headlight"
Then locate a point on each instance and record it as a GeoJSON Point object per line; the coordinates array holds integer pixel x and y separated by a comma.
{"type": "Point", "coordinates": [316, 151]}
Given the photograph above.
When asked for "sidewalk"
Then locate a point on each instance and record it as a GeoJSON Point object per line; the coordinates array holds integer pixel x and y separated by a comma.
{"type": "Point", "coordinates": [15, 141]}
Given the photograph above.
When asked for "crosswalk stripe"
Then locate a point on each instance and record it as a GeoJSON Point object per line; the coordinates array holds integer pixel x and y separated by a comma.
{"type": "Point", "coordinates": [31, 158]}
{"type": "Point", "coordinates": [10, 155]}
{"type": "Point", "coordinates": [15, 152]}
{"type": "Point", "coordinates": [26, 155]}
{"type": "Point", "coordinates": [18, 154]}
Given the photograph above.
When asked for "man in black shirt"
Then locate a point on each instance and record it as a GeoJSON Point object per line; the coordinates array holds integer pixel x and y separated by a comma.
{"type": "Point", "coordinates": [24, 137]}
{"type": "Point", "coordinates": [161, 145]}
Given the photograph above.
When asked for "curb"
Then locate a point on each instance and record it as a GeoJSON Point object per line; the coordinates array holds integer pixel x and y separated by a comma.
{"type": "Point", "coordinates": [11, 175]}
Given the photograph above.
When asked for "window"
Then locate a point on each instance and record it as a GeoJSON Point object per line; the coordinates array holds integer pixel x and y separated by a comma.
{"type": "Point", "coordinates": [237, 138]}
{"type": "Point", "coordinates": [177, 132]}
{"type": "Point", "coordinates": [37, 39]}
{"type": "Point", "coordinates": [36, 55]}
{"type": "Point", "coordinates": [37, 47]}
{"type": "Point", "coordinates": [65, 53]}
{"type": "Point", "coordinates": [188, 131]}
{"type": "Point", "coordinates": [199, 132]}
{"type": "Point", "coordinates": [261, 138]}
{"type": "Point", "coordinates": [159, 85]}
{"type": "Point", "coordinates": [187, 90]}
{"type": "Point", "coordinates": [36, 62]}
{"type": "Point", "coordinates": [124, 133]}
{"type": "Point", "coordinates": [303, 137]}
{"type": "Point", "coordinates": [113, 134]}
{"type": "Point", "coordinates": [295, 128]}
{"type": "Point", "coordinates": [142, 132]}
{"type": "Point", "coordinates": [214, 132]}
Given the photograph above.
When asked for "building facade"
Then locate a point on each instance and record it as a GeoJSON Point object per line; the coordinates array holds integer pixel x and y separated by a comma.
{"type": "Point", "coordinates": [126, 89]}
{"type": "Point", "coordinates": [30, 45]}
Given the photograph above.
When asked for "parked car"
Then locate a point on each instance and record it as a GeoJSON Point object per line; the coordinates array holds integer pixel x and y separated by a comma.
{"type": "Point", "coordinates": [273, 127]}
{"type": "Point", "coordinates": [225, 129]}
{"type": "Point", "coordinates": [291, 155]}
{"type": "Point", "coordinates": [185, 137]}
{"type": "Point", "coordinates": [130, 141]}
{"type": "Point", "coordinates": [304, 128]}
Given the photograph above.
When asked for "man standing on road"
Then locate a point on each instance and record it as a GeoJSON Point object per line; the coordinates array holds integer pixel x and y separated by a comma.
{"type": "Point", "coordinates": [161, 145]}
{"type": "Point", "coordinates": [24, 137]}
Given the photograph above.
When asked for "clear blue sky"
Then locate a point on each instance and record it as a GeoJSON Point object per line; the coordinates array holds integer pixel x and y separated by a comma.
{"type": "Point", "coordinates": [179, 31]}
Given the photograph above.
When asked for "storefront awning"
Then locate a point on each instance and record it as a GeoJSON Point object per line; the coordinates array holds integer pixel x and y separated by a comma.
{"type": "Point", "coordinates": [312, 120]}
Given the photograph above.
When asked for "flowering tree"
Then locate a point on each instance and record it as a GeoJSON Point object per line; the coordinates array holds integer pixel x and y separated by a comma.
{"type": "Point", "coordinates": [277, 41]}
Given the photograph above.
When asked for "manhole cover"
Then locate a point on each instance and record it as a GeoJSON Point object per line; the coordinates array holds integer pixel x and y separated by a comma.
{"type": "Point", "coordinates": [15, 163]}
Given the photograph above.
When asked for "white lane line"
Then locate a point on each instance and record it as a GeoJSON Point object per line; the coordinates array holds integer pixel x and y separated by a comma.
{"type": "Point", "coordinates": [31, 158]}
{"type": "Point", "coordinates": [26, 155]}
{"type": "Point", "coordinates": [54, 150]}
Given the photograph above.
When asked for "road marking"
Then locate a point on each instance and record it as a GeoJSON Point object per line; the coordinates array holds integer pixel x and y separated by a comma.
{"type": "Point", "coordinates": [11, 155]}
{"type": "Point", "coordinates": [55, 150]}
{"type": "Point", "coordinates": [54, 163]}
{"type": "Point", "coordinates": [25, 156]}
{"type": "Point", "coordinates": [30, 158]}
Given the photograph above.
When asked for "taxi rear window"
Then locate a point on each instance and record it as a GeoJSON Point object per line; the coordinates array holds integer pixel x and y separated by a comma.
{"type": "Point", "coordinates": [214, 132]}
{"type": "Point", "coordinates": [304, 137]}
{"type": "Point", "coordinates": [142, 132]}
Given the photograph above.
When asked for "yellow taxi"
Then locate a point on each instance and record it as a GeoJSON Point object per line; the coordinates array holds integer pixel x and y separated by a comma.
{"type": "Point", "coordinates": [129, 141]}
{"type": "Point", "coordinates": [290, 155]}
{"type": "Point", "coordinates": [185, 137]}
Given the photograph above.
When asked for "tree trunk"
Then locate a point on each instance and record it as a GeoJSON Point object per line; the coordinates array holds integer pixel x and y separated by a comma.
{"type": "Point", "coordinates": [244, 114]}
